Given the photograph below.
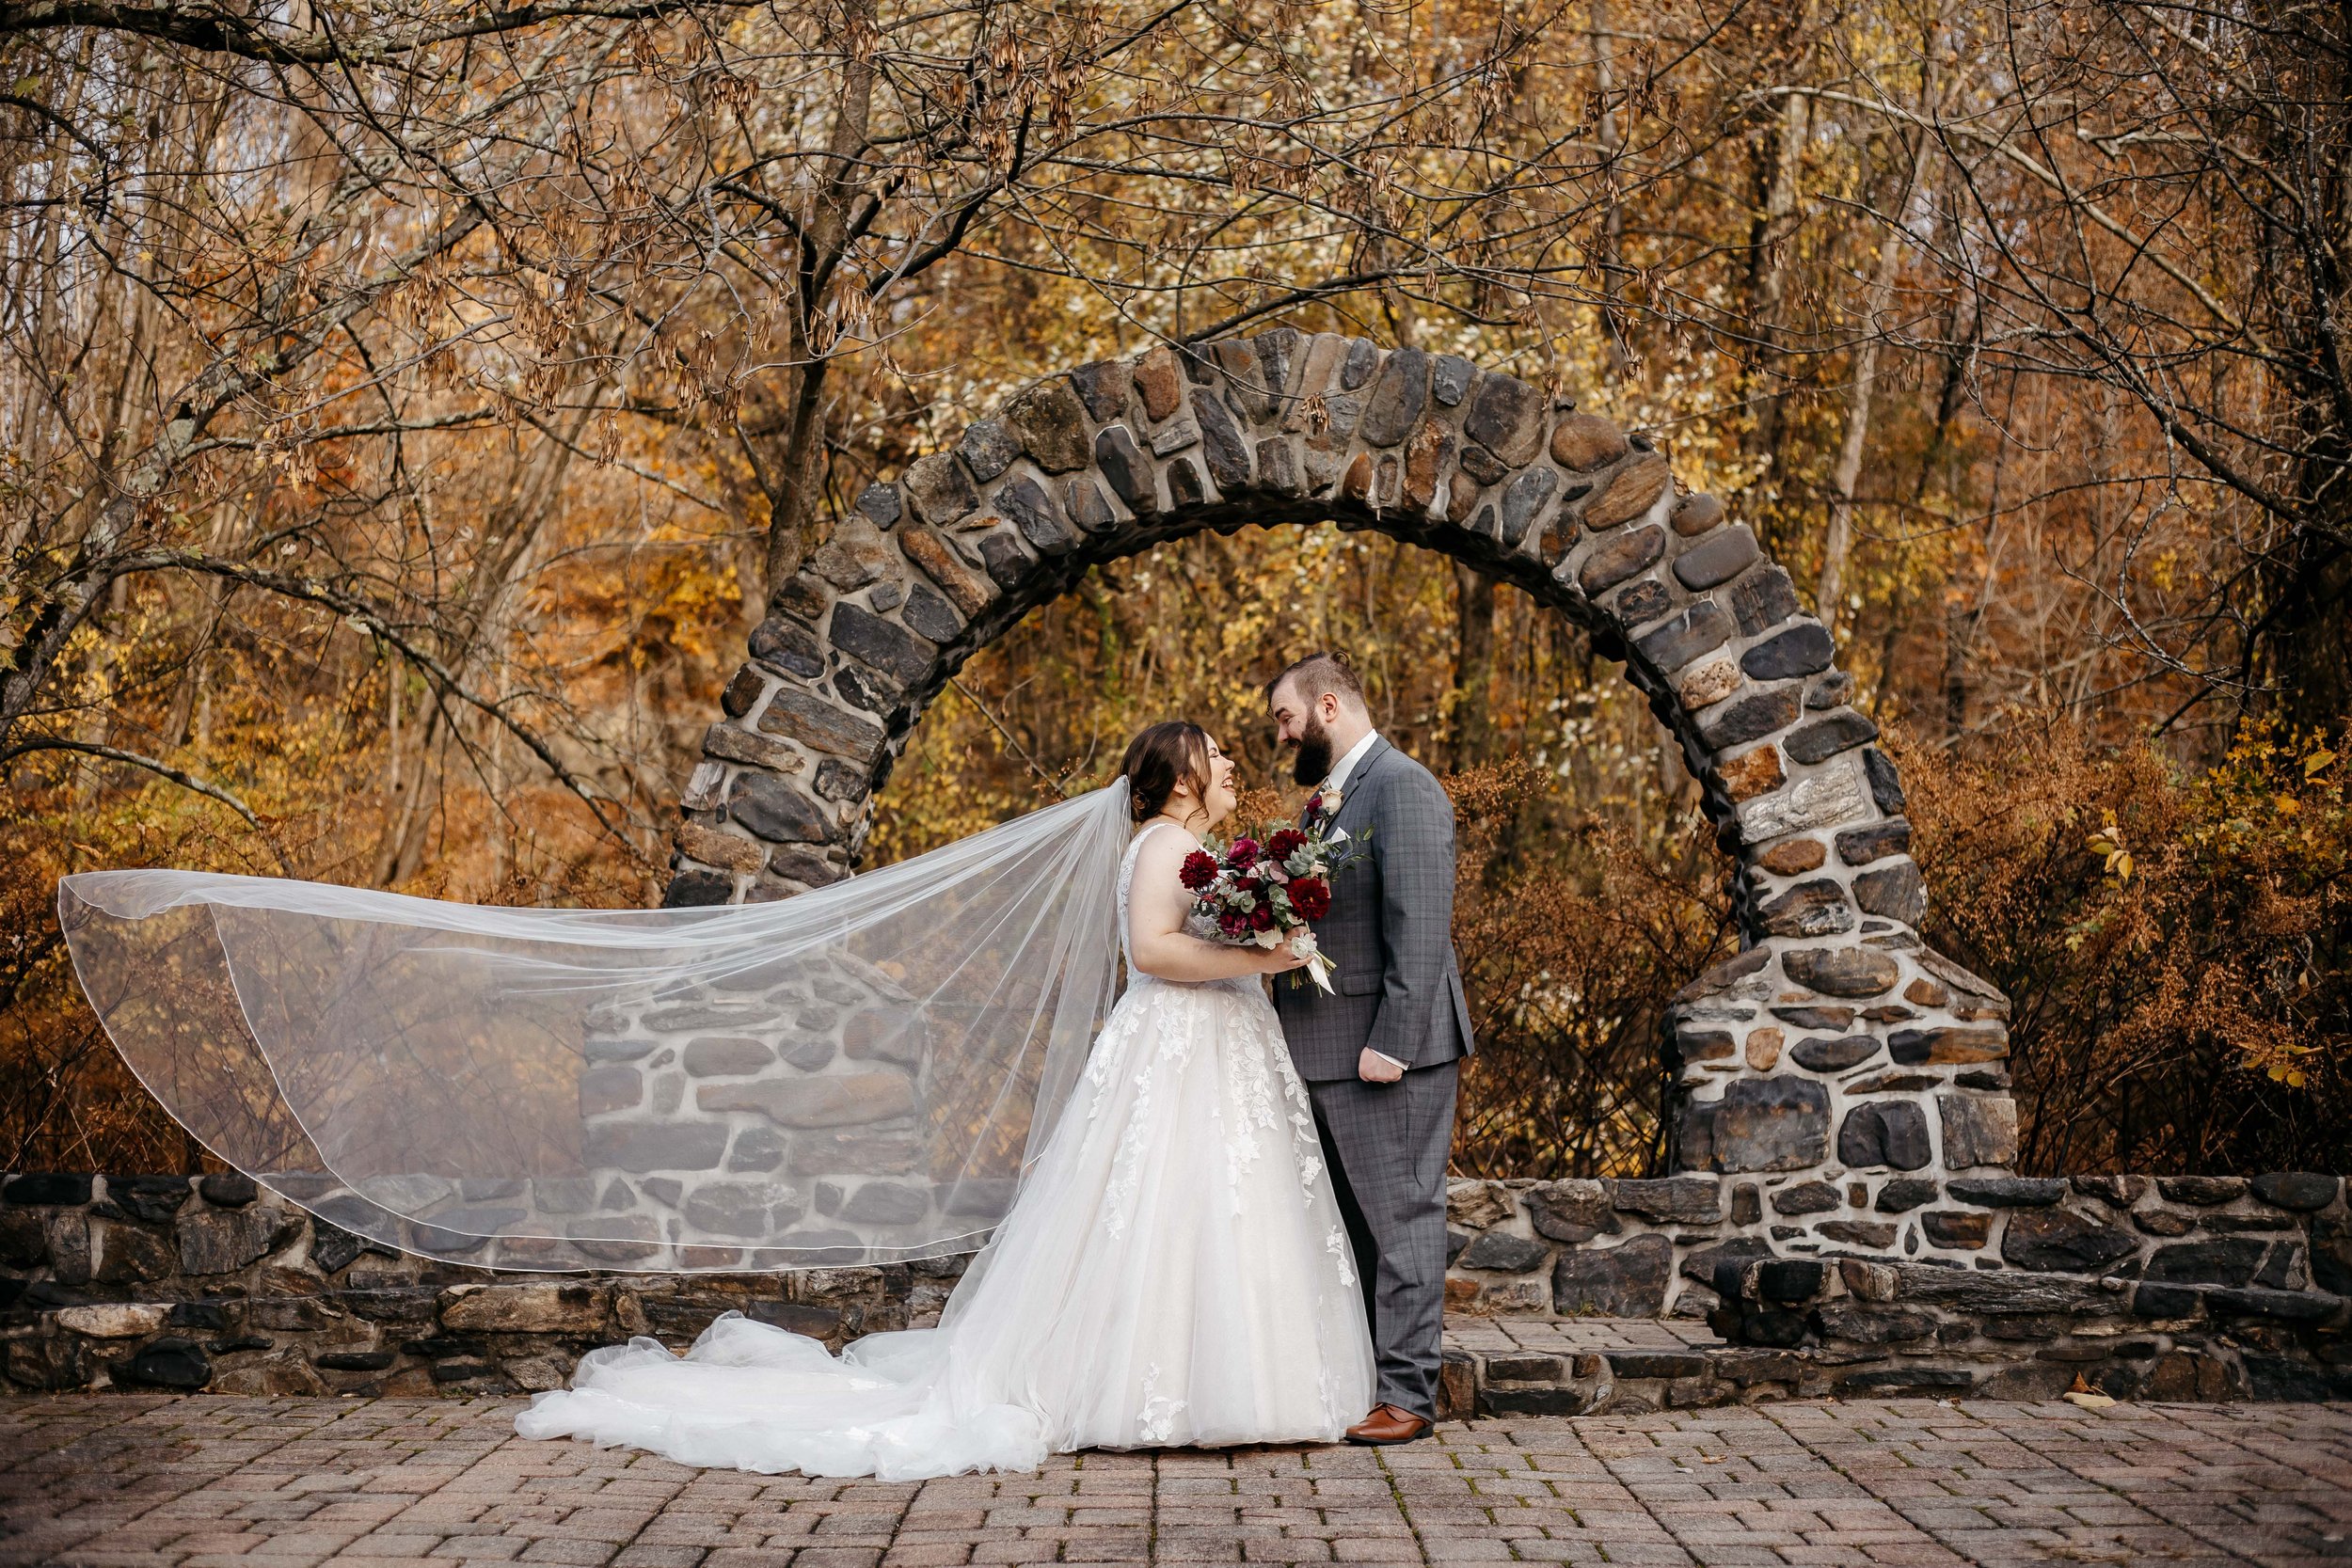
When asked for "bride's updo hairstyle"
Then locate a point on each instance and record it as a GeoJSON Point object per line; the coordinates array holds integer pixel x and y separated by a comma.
{"type": "Point", "coordinates": [1158, 760]}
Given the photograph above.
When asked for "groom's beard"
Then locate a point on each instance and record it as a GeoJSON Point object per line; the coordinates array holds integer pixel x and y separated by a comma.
{"type": "Point", "coordinates": [1314, 754]}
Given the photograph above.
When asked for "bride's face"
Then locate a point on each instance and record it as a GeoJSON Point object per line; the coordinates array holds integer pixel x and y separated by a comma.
{"type": "Point", "coordinates": [1222, 796]}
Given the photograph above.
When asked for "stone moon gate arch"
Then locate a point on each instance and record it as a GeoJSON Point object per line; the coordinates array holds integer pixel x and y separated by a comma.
{"type": "Point", "coordinates": [1834, 1047]}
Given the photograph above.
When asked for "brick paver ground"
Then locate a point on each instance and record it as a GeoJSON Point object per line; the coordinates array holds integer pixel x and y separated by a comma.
{"type": "Point", "coordinates": [127, 1482]}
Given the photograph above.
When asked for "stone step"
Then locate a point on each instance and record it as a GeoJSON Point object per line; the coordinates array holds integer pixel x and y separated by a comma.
{"type": "Point", "coordinates": [1576, 1366]}
{"type": "Point", "coordinates": [1636, 1379]}
{"type": "Point", "coordinates": [1582, 1366]}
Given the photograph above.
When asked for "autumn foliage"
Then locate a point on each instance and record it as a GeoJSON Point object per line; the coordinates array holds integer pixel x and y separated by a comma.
{"type": "Point", "coordinates": [2178, 941]}
{"type": "Point", "coordinates": [406, 410]}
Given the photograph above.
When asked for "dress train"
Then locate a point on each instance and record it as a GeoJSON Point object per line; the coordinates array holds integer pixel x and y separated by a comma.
{"type": "Point", "coordinates": [1174, 1273]}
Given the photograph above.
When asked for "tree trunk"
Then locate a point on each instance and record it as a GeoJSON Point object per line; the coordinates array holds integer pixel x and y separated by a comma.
{"type": "Point", "coordinates": [1775, 237]}
{"type": "Point", "coordinates": [800, 465]}
{"type": "Point", "coordinates": [1839, 541]}
{"type": "Point", "coordinates": [1473, 719]}
{"type": "Point", "coordinates": [2304, 652]}
{"type": "Point", "coordinates": [1612, 140]}
{"type": "Point", "coordinates": [1960, 624]}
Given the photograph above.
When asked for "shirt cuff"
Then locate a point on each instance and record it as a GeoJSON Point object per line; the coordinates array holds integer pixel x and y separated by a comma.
{"type": "Point", "coordinates": [1385, 1057]}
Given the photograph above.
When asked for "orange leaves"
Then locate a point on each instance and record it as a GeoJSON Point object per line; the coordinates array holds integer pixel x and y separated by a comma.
{"type": "Point", "coordinates": [1569, 943]}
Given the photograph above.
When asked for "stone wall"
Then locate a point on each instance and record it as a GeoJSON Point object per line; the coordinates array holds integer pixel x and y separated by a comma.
{"type": "Point", "coordinates": [180, 1282]}
{"type": "Point", "coordinates": [731, 1115]}
{"type": "Point", "coordinates": [1653, 1249]}
{"type": "Point", "coordinates": [1856, 1328]}
{"type": "Point", "coordinates": [1881, 1056]}
{"type": "Point", "coordinates": [2176, 1287]}
{"type": "Point", "coordinates": [774, 1118]}
{"type": "Point", "coordinates": [2185, 1326]}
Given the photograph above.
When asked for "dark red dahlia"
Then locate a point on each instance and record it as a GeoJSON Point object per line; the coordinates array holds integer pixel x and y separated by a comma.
{"type": "Point", "coordinates": [1284, 843]}
{"type": "Point", "coordinates": [1311, 898]}
{"type": "Point", "coordinates": [1199, 870]}
{"type": "Point", "coordinates": [1262, 918]}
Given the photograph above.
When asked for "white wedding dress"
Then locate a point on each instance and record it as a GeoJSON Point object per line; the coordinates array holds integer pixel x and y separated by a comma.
{"type": "Point", "coordinates": [1173, 1273]}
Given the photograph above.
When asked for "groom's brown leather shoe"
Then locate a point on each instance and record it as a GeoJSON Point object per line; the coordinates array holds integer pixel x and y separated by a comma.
{"type": "Point", "coordinates": [1388, 1424]}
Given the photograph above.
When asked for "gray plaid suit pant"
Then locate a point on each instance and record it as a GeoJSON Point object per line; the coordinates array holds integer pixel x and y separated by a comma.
{"type": "Point", "coordinates": [1386, 1146]}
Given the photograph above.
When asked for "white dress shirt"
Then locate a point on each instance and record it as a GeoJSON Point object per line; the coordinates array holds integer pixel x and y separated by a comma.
{"type": "Point", "coordinates": [1336, 779]}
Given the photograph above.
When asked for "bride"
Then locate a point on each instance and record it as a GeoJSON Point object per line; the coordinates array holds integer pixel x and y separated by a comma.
{"type": "Point", "coordinates": [1173, 1270]}
{"type": "Point", "coordinates": [902, 1065]}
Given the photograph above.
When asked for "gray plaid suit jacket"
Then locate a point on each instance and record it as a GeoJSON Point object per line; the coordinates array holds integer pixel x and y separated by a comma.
{"type": "Point", "coordinates": [1389, 932]}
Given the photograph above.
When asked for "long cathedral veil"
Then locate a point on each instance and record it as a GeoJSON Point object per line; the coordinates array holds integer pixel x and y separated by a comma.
{"type": "Point", "coordinates": [858, 1074]}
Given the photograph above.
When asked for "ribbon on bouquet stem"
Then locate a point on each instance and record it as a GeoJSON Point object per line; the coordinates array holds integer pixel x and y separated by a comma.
{"type": "Point", "coordinates": [1302, 944]}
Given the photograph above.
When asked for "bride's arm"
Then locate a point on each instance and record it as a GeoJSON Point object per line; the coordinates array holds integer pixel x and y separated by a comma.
{"type": "Point", "coordinates": [1158, 904]}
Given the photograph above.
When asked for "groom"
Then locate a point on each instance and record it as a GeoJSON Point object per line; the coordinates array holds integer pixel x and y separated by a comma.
{"type": "Point", "coordinates": [1380, 1057]}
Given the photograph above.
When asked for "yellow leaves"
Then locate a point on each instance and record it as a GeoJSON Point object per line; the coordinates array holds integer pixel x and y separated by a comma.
{"type": "Point", "coordinates": [2275, 803]}
{"type": "Point", "coordinates": [2108, 843]}
{"type": "Point", "coordinates": [2280, 1060]}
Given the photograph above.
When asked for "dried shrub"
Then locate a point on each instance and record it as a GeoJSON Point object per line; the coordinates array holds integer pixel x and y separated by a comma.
{"type": "Point", "coordinates": [2175, 943]}
{"type": "Point", "coordinates": [1572, 934]}
{"type": "Point", "coordinates": [68, 1101]}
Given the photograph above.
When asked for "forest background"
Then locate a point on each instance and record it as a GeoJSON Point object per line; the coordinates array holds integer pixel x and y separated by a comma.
{"type": "Point", "coordinates": [405, 406]}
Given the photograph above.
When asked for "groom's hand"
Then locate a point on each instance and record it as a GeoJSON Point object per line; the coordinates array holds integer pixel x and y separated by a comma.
{"type": "Point", "coordinates": [1372, 1068]}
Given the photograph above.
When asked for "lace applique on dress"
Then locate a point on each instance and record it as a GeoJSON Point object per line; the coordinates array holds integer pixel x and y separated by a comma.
{"type": "Point", "coordinates": [1127, 1164]}
{"type": "Point", "coordinates": [1336, 1244]}
{"type": "Point", "coordinates": [1252, 1082]}
{"type": "Point", "coordinates": [1308, 1146]}
{"type": "Point", "coordinates": [1155, 1423]}
{"type": "Point", "coordinates": [1106, 1052]}
{"type": "Point", "coordinates": [1306, 1143]}
{"type": "Point", "coordinates": [1178, 1023]}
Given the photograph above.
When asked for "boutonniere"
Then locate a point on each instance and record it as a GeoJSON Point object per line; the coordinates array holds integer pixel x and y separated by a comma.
{"type": "Point", "coordinates": [1323, 808]}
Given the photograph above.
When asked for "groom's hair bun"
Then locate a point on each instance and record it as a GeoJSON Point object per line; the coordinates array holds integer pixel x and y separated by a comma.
{"type": "Point", "coordinates": [1329, 672]}
{"type": "Point", "coordinates": [1159, 759]}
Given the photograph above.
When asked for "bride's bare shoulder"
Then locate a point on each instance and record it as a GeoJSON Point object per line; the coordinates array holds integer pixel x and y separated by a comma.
{"type": "Point", "coordinates": [1164, 844]}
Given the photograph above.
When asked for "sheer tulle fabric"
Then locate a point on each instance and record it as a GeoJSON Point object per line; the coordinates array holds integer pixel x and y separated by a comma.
{"type": "Point", "coordinates": [856, 1074]}
{"type": "Point", "coordinates": [1174, 1273]}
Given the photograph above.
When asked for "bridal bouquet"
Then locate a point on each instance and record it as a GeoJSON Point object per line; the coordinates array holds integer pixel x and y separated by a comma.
{"type": "Point", "coordinates": [1266, 891]}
